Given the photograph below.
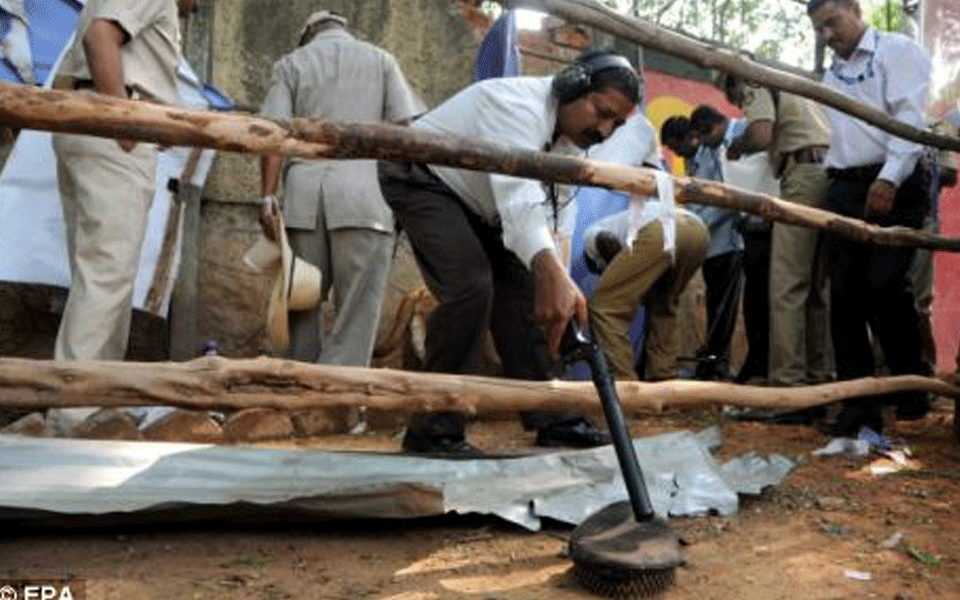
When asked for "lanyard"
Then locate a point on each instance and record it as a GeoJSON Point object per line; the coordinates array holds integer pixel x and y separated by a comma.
{"type": "Point", "coordinates": [867, 70]}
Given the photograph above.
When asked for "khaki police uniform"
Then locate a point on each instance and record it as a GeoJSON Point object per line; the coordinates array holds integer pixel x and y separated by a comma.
{"type": "Point", "coordinates": [799, 288]}
{"type": "Point", "coordinates": [335, 215]}
{"type": "Point", "coordinates": [106, 192]}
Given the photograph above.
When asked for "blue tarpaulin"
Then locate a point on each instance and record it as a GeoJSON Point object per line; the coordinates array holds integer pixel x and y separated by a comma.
{"type": "Point", "coordinates": [499, 54]}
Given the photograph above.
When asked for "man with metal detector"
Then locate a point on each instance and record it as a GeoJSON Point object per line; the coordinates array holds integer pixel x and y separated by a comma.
{"type": "Point", "coordinates": [490, 246]}
{"type": "Point", "coordinates": [882, 179]}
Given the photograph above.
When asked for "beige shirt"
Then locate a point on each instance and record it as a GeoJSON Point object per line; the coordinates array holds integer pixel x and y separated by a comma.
{"type": "Point", "coordinates": [338, 78]}
{"type": "Point", "coordinates": [151, 55]}
{"type": "Point", "coordinates": [798, 122]}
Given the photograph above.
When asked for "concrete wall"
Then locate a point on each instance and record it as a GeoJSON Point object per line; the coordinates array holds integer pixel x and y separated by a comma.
{"type": "Point", "coordinates": [234, 45]}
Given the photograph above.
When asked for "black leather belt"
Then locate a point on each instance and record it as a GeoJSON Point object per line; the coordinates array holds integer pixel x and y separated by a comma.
{"type": "Point", "coordinates": [805, 155]}
{"type": "Point", "coordinates": [809, 154]}
{"type": "Point", "coordinates": [862, 173]}
{"type": "Point", "coordinates": [87, 84]}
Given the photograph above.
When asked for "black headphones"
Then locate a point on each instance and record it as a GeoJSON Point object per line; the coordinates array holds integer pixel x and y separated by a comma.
{"type": "Point", "coordinates": [576, 79]}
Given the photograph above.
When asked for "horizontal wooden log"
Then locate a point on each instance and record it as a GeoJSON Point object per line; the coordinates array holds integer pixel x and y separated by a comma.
{"type": "Point", "coordinates": [648, 35]}
{"type": "Point", "coordinates": [31, 108]}
{"type": "Point", "coordinates": [217, 383]}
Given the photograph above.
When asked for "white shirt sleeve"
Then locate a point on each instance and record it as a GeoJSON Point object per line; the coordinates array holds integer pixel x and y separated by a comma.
{"type": "Point", "coordinates": [521, 203]}
{"type": "Point", "coordinates": [905, 94]}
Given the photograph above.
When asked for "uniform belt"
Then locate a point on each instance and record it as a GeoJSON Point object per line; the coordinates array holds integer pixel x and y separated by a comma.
{"type": "Point", "coordinates": [66, 82]}
{"type": "Point", "coordinates": [809, 154]}
{"type": "Point", "coordinates": [862, 173]}
{"type": "Point", "coordinates": [805, 155]}
{"type": "Point", "coordinates": [87, 84]}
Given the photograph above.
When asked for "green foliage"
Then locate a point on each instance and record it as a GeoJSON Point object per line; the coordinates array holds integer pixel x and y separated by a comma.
{"type": "Point", "coordinates": [887, 17]}
{"type": "Point", "coordinates": [773, 29]}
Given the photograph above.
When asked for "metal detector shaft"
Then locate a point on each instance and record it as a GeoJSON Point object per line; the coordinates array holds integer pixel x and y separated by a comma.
{"type": "Point", "coordinates": [577, 345]}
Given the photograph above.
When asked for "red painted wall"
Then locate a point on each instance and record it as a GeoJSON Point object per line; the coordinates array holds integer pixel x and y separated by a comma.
{"type": "Point", "coordinates": [946, 301]}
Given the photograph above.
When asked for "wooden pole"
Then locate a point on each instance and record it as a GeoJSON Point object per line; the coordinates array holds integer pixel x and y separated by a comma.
{"type": "Point", "coordinates": [74, 112]}
{"type": "Point", "coordinates": [595, 14]}
{"type": "Point", "coordinates": [217, 383]}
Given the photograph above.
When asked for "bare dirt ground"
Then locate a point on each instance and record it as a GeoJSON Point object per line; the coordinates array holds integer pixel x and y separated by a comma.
{"type": "Point", "coordinates": [814, 537]}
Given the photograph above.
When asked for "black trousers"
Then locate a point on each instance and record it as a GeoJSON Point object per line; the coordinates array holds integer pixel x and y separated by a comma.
{"type": "Point", "coordinates": [869, 287]}
{"type": "Point", "coordinates": [480, 286]}
{"type": "Point", "coordinates": [723, 278]}
{"type": "Point", "coordinates": [756, 301]}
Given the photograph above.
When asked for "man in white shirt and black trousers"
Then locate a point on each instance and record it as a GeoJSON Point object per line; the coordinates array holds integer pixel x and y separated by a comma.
{"type": "Point", "coordinates": [882, 179]}
{"type": "Point", "coordinates": [487, 243]}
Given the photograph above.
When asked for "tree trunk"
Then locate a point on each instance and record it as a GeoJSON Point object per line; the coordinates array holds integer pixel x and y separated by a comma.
{"type": "Point", "coordinates": [216, 383]}
{"type": "Point", "coordinates": [32, 108]}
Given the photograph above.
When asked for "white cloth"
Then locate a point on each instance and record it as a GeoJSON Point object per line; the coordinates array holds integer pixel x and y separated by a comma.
{"type": "Point", "coordinates": [519, 112]}
{"type": "Point", "coordinates": [15, 46]}
{"type": "Point", "coordinates": [890, 72]}
{"type": "Point", "coordinates": [32, 238]}
{"type": "Point", "coordinates": [635, 143]}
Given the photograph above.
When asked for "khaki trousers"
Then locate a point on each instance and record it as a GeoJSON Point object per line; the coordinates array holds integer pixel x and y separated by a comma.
{"type": "Point", "coordinates": [800, 349]}
{"type": "Point", "coordinates": [921, 276]}
{"type": "Point", "coordinates": [355, 263]}
{"type": "Point", "coordinates": [644, 275]}
{"type": "Point", "coordinates": [106, 194]}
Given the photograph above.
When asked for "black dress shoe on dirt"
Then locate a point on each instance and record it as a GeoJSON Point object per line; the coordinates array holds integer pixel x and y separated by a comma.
{"type": "Point", "coordinates": [804, 416]}
{"type": "Point", "coordinates": [851, 418]}
{"type": "Point", "coordinates": [914, 408]}
{"type": "Point", "coordinates": [440, 446]}
{"type": "Point", "coordinates": [578, 434]}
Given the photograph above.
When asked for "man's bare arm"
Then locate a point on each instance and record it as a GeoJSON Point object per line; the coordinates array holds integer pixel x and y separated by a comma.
{"type": "Point", "coordinates": [270, 166]}
{"type": "Point", "coordinates": [757, 137]}
{"type": "Point", "coordinates": [557, 298]}
{"type": "Point", "coordinates": [102, 43]}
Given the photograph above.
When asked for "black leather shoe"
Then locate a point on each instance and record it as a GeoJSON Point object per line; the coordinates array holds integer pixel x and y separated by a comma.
{"type": "Point", "coordinates": [851, 418]}
{"type": "Point", "coordinates": [805, 416]}
{"type": "Point", "coordinates": [440, 446]}
{"type": "Point", "coordinates": [578, 434]}
{"type": "Point", "coordinates": [914, 408]}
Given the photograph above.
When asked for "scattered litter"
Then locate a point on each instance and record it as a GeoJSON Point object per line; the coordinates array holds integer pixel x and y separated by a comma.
{"type": "Point", "coordinates": [857, 575]}
{"type": "Point", "coordinates": [847, 446]}
{"type": "Point", "coordinates": [893, 462]}
{"type": "Point", "coordinates": [922, 557]}
{"type": "Point", "coordinates": [876, 440]}
{"type": "Point", "coordinates": [834, 528]}
{"type": "Point", "coordinates": [893, 541]}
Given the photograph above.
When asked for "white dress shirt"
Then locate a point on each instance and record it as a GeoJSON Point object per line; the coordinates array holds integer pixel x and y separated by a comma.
{"type": "Point", "coordinates": [890, 72]}
{"type": "Point", "coordinates": [519, 112]}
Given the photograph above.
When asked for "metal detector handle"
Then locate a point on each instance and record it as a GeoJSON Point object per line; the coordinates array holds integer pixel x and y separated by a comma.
{"type": "Point", "coordinates": [577, 345]}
